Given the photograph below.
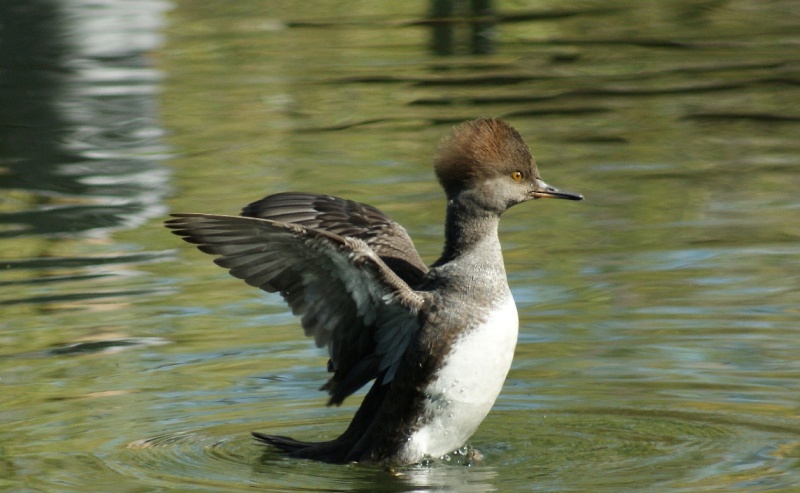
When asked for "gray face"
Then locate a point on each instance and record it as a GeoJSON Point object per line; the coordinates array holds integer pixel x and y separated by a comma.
{"type": "Point", "coordinates": [486, 162]}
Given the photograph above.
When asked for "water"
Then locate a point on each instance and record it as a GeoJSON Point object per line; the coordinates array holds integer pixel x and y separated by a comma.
{"type": "Point", "coordinates": [658, 333]}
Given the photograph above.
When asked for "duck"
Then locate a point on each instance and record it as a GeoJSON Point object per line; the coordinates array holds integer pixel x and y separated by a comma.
{"type": "Point", "coordinates": [436, 342]}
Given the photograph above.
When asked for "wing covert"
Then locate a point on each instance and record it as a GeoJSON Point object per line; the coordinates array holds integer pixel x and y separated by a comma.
{"type": "Point", "coordinates": [346, 218]}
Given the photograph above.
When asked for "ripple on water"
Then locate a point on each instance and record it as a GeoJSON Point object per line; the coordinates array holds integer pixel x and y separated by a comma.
{"type": "Point", "coordinates": [207, 460]}
{"type": "Point", "coordinates": [608, 449]}
{"type": "Point", "coordinates": [199, 455]}
{"type": "Point", "coordinates": [591, 449]}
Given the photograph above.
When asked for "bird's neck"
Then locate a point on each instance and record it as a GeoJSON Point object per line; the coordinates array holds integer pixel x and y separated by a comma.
{"type": "Point", "coordinates": [470, 230]}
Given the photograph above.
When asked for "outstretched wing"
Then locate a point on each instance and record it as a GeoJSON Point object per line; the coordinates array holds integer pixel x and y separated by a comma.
{"type": "Point", "coordinates": [346, 218]}
{"type": "Point", "coordinates": [347, 297]}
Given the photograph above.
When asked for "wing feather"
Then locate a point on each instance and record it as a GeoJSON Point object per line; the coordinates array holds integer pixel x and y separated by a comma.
{"type": "Point", "coordinates": [347, 297]}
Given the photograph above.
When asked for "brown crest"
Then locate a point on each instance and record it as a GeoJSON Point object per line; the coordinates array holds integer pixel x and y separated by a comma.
{"type": "Point", "coordinates": [480, 149]}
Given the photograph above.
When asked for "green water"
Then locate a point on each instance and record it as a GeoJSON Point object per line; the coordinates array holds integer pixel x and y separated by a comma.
{"type": "Point", "coordinates": [659, 322]}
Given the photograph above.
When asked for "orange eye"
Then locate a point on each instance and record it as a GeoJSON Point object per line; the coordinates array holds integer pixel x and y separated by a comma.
{"type": "Point", "coordinates": [516, 176]}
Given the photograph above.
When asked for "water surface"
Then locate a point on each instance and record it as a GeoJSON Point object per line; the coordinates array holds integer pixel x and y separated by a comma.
{"type": "Point", "coordinates": [658, 342]}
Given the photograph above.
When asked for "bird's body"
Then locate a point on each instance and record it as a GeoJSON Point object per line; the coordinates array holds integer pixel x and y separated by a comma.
{"type": "Point", "coordinates": [438, 342]}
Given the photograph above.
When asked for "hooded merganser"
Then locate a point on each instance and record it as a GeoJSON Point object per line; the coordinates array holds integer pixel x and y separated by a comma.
{"type": "Point", "coordinates": [437, 341]}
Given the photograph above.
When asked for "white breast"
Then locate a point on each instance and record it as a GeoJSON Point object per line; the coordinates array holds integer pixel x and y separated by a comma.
{"type": "Point", "coordinates": [465, 388]}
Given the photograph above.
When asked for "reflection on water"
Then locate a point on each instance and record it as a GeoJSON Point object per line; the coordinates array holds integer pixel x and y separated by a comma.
{"type": "Point", "coordinates": [449, 17]}
{"type": "Point", "coordinates": [82, 153]}
{"type": "Point", "coordinates": [81, 140]}
{"type": "Point", "coordinates": [658, 344]}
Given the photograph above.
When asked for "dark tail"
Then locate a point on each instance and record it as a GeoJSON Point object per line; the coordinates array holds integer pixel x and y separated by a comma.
{"type": "Point", "coordinates": [336, 451]}
{"type": "Point", "coordinates": [354, 445]}
{"type": "Point", "coordinates": [284, 444]}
